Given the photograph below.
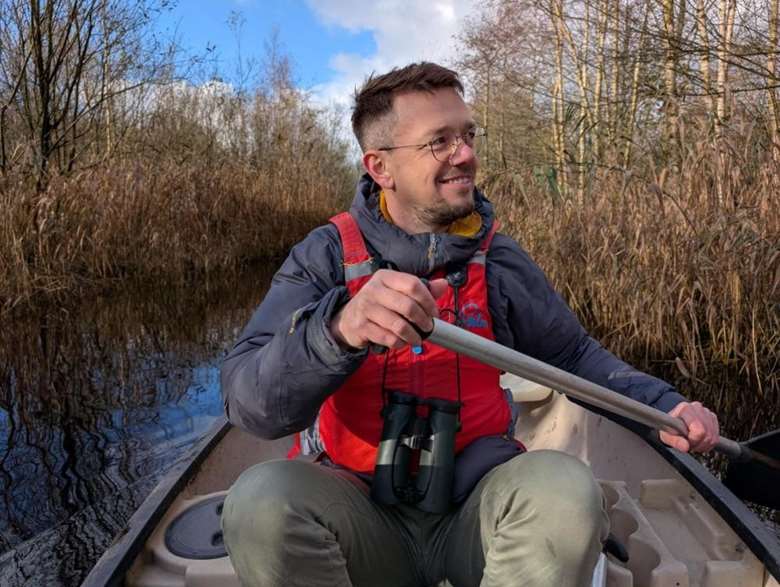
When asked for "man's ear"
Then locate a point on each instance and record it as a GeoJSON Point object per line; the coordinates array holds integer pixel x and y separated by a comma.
{"type": "Point", "coordinates": [375, 164]}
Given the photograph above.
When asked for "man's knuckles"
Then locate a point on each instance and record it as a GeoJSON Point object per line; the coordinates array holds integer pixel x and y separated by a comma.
{"type": "Point", "coordinates": [399, 326]}
{"type": "Point", "coordinates": [696, 433]}
{"type": "Point", "coordinates": [408, 308]}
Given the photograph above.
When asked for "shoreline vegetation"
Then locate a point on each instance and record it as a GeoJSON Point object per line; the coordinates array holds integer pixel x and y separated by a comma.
{"type": "Point", "coordinates": [159, 221]}
{"type": "Point", "coordinates": [671, 280]}
{"type": "Point", "coordinates": [636, 159]}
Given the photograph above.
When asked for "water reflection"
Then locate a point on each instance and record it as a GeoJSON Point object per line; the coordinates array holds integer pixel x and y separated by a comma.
{"type": "Point", "coordinates": [97, 400]}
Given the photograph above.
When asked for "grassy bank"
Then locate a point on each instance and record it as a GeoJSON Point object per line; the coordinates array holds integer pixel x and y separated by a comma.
{"type": "Point", "coordinates": [670, 276]}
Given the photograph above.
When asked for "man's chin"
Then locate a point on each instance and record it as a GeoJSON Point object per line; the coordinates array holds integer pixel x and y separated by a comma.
{"type": "Point", "coordinates": [446, 216]}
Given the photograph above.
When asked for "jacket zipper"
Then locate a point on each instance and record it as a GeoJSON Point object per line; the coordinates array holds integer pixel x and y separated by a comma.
{"type": "Point", "coordinates": [432, 252]}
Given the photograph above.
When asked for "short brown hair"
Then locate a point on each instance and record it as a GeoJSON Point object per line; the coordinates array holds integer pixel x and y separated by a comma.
{"type": "Point", "coordinates": [374, 100]}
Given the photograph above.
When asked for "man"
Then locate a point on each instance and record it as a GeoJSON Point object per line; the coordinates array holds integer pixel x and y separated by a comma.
{"type": "Point", "coordinates": [339, 331]}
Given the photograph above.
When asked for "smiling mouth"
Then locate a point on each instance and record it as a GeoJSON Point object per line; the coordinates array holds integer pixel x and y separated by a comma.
{"type": "Point", "coordinates": [461, 179]}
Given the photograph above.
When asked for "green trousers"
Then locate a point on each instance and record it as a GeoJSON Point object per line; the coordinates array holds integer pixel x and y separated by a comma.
{"type": "Point", "coordinates": [537, 520]}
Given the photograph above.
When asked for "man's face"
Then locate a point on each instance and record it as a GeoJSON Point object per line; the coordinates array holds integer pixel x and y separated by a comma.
{"type": "Point", "coordinates": [434, 193]}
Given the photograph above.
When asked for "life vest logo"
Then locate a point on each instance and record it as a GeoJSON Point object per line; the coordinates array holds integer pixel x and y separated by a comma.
{"type": "Point", "coordinates": [471, 316]}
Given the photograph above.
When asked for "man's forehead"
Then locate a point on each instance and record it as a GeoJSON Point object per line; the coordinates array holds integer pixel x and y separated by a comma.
{"type": "Point", "coordinates": [430, 112]}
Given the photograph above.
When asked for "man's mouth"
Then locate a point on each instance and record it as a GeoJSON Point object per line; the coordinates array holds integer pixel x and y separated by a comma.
{"type": "Point", "coordinates": [458, 179]}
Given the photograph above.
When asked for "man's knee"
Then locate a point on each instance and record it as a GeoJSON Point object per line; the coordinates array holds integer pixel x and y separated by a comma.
{"type": "Point", "coordinates": [541, 514]}
{"type": "Point", "coordinates": [262, 500]}
{"type": "Point", "coordinates": [557, 487]}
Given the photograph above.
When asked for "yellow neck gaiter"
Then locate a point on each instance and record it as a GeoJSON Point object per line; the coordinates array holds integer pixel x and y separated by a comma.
{"type": "Point", "coordinates": [468, 226]}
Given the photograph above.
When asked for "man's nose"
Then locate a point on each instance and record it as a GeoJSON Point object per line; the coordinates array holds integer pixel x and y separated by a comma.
{"type": "Point", "coordinates": [462, 153]}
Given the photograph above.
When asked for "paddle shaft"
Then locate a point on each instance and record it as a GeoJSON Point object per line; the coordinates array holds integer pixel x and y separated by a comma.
{"type": "Point", "coordinates": [486, 351]}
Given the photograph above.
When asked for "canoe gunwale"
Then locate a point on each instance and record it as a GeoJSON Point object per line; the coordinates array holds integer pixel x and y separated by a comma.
{"type": "Point", "coordinates": [112, 566]}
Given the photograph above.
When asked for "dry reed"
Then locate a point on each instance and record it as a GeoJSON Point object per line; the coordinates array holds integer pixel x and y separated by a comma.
{"type": "Point", "coordinates": [161, 220]}
{"type": "Point", "coordinates": [679, 274]}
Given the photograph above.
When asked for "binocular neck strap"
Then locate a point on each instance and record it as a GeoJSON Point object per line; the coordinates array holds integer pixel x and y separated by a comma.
{"type": "Point", "coordinates": [457, 355]}
{"type": "Point", "coordinates": [383, 390]}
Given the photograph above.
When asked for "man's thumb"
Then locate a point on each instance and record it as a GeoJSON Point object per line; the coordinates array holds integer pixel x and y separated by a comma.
{"type": "Point", "coordinates": [437, 287]}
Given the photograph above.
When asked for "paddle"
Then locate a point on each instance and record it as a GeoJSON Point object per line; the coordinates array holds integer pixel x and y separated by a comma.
{"type": "Point", "coordinates": [753, 475]}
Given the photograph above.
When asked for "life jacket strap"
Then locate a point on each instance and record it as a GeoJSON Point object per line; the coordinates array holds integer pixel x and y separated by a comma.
{"type": "Point", "coordinates": [480, 256]}
{"type": "Point", "coordinates": [358, 264]}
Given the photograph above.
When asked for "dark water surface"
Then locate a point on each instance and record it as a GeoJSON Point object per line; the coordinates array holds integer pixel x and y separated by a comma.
{"type": "Point", "coordinates": [97, 401]}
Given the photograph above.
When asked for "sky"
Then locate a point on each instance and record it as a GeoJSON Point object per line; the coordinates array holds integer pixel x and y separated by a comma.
{"type": "Point", "coordinates": [332, 44]}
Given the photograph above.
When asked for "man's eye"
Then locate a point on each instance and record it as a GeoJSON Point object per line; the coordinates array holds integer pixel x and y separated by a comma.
{"type": "Point", "coordinates": [471, 134]}
{"type": "Point", "coordinates": [439, 142]}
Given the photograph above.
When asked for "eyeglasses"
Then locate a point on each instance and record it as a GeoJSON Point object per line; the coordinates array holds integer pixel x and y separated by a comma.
{"type": "Point", "coordinates": [444, 147]}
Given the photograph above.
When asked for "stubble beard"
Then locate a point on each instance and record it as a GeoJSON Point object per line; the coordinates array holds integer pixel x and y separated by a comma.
{"type": "Point", "coordinates": [444, 214]}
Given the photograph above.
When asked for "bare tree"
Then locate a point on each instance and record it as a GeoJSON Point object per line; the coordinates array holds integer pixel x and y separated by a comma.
{"type": "Point", "coordinates": [634, 92]}
{"type": "Point", "coordinates": [607, 78]}
{"type": "Point", "coordinates": [64, 66]}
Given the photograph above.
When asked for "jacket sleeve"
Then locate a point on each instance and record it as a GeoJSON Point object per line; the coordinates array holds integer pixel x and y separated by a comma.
{"type": "Point", "coordinates": [286, 362]}
{"type": "Point", "coordinates": [530, 316]}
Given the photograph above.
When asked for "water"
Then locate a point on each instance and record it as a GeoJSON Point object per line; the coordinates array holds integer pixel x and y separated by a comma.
{"type": "Point", "coordinates": [97, 401]}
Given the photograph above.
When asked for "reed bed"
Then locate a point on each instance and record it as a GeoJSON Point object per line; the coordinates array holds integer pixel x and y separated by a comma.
{"type": "Point", "coordinates": [158, 220]}
{"type": "Point", "coordinates": [679, 274]}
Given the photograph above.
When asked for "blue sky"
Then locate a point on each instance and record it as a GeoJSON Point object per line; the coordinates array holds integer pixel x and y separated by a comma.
{"type": "Point", "coordinates": [333, 44]}
{"type": "Point", "coordinates": [309, 42]}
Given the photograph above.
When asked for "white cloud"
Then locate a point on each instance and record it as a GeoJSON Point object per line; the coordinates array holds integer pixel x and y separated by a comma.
{"type": "Point", "coordinates": [404, 31]}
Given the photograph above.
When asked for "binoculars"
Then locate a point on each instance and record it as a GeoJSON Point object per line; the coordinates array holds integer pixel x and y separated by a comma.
{"type": "Point", "coordinates": [407, 434]}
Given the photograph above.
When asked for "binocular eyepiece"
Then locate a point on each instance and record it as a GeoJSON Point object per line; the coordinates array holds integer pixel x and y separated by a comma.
{"type": "Point", "coordinates": [406, 433]}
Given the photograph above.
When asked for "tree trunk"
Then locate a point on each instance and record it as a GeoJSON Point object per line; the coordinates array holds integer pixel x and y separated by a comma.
{"type": "Point", "coordinates": [41, 50]}
{"type": "Point", "coordinates": [105, 83]}
{"type": "Point", "coordinates": [728, 9]}
{"type": "Point", "coordinates": [600, 71]}
{"type": "Point", "coordinates": [771, 66]}
{"type": "Point", "coordinates": [704, 59]}
{"type": "Point", "coordinates": [580, 61]}
{"type": "Point", "coordinates": [560, 122]}
{"type": "Point", "coordinates": [614, 82]}
{"type": "Point", "coordinates": [634, 102]}
{"type": "Point", "coordinates": [670, 73]}
{"type": "Point", "coordinates": [486, 117]}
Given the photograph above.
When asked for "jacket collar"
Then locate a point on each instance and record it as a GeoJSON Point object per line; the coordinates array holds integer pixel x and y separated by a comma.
{"type": "Point", "coordinates": [419, 254]}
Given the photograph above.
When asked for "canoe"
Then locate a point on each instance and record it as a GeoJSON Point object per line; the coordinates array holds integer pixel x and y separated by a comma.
{"type": "Point", "coordinates": [679, 525]}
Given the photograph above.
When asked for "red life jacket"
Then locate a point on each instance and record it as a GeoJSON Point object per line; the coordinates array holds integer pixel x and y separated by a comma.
{"type": "Point", "coordinates": [350, 421]}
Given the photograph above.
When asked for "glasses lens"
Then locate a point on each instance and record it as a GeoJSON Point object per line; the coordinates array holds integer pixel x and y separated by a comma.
{"type": "Point", "coordinates": [442, 148]}
{"type": "Point", "coordinates": [473, 137]}
{"type": "Point", "coordinates": [446, 147]}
